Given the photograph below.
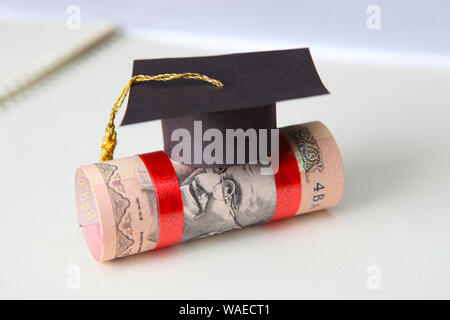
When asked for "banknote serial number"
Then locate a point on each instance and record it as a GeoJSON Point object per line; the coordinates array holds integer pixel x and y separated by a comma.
{"type": "Point", "coordinates": [318, 195]}
{"type": "Point", "coordinates": [225, 309]}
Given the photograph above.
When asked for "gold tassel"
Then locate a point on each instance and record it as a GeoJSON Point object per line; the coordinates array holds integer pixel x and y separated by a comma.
{"type": "Point", "coordinates": [110, 138]}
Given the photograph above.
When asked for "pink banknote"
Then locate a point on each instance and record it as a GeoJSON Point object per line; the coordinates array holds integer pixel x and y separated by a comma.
{"type": "Point", "coordinates": [118, 207]}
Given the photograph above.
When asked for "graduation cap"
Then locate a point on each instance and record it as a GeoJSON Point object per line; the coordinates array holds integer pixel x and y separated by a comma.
{"type": "Point", "coordinates": [252, 84]}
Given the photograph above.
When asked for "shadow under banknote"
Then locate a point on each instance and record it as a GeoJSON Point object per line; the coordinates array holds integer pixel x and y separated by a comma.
{"type": "Point", "coordinates": [280, 230]}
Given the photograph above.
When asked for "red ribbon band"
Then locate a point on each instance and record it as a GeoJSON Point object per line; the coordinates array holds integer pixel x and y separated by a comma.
{"type": "Point", "coordinates": [168, 198]}
{"type": "Point", "coordinates": [287, 182]}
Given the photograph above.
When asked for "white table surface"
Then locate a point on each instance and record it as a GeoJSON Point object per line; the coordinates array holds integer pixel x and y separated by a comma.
{"type": "Point", "coordinates": [391, 123]}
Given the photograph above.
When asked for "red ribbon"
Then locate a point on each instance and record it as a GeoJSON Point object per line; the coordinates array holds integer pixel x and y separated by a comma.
{"type": "Point", "coordinates": [168, 198]}
{"type": "Point", "coordinates": [287, 182]}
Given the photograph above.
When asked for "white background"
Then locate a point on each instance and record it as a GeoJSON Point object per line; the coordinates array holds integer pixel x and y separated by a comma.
{"type": "Point", "coordinates": [388, 109]}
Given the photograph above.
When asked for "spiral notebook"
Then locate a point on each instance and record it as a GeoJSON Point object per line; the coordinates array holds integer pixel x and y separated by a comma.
{"type": "Point", "coordinates": [34, 50]}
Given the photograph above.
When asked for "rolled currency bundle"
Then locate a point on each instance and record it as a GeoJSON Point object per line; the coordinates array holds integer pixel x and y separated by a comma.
{"type": "Point", "coordinates": [140, 203]}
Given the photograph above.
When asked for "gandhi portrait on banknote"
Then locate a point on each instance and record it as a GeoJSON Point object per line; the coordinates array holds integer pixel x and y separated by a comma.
{"type": "Point", "coordinates": [217, 200]}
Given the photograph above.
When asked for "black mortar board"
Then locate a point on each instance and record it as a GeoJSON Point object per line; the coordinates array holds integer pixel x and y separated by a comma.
{"type": "Point", "coordinates": [253, 83]}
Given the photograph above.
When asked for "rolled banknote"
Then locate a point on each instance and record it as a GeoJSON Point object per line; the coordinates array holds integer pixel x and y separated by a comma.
{"type": "Point", "coordinates": [140, 203]}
